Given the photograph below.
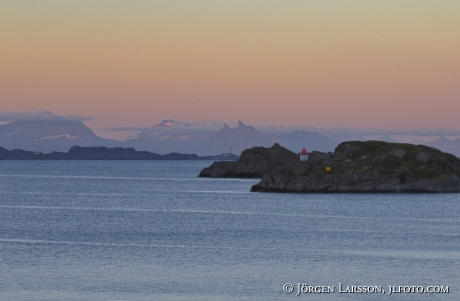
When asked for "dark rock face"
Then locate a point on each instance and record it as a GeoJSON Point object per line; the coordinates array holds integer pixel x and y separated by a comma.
{"type": "Point", "coordinates": [253, 163]}
{"type": "Point", "coordinates": [371, 166]}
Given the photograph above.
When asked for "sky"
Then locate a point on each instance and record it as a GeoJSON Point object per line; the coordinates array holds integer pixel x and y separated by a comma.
{"type": "Point", "coordinates": [361, 64]}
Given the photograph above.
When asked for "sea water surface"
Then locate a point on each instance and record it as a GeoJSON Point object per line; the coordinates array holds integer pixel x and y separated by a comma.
{"type": "Point", "coordinates": [153, 230]}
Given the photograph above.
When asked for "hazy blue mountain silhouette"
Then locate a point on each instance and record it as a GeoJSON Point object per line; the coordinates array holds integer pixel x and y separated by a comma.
{"type": "Point", "coordinates": [447, 145]}
{"type": "Point", "coordinates": [296, 140]}
{"type": "Point", "coordinates": [48, 136]}
{"type": "Point", "coordinates": [238, 139]}
{"type": "Point", "coordinates": [61, 135]}
{"type": "Point", "coordinates": [385, 138]}
{"type": "Point", "coordinates": [164, 143]}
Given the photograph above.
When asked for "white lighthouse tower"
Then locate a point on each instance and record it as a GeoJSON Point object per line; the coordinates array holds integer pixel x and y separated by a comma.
{"type": "Point", "coordinates": [303, 155]}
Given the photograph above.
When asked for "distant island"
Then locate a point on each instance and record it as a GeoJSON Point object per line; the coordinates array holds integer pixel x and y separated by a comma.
{"type": "Point", "coordinates": [355, 166]}
{"type": "Point", "coordinates": [105, 153]}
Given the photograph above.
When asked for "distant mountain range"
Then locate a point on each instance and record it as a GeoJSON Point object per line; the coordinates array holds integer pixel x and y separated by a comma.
{"type": "Point", "coordinates": [297, 140]}
{"type": "Point", "coordinates": [48, 136]}
{"type": "Point", "coordinates": [171, 136]}
{"type": "Point", "coordinates": [447, 145]}
{"type": "Point", "coordinates": [236, 139]}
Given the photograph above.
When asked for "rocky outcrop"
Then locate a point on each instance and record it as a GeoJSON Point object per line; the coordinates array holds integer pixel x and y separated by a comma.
{"type": "Point", "coordinates": [371, 166]}
{"type": "Point", "coordinates": [253, 163]}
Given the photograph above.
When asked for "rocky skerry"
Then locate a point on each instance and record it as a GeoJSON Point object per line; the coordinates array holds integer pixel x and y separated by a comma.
{"type": "Point", "coordinates": [354, 166]}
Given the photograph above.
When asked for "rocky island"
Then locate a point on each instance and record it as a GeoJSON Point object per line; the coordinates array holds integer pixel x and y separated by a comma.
{"type": "Point", "coordinates": [254, 162]}
{"type": "Point", "coordinates": [355, 166]}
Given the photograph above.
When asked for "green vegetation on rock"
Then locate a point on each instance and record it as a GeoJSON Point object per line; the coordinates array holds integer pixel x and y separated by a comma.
{"type": "Point", "coordinates": [389, 158]}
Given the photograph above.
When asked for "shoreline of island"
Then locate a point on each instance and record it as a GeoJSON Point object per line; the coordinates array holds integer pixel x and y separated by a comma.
{"type": "Point", "coordinates": [105, 153]}
{"type": "Point", "coordinates": [354, 167]}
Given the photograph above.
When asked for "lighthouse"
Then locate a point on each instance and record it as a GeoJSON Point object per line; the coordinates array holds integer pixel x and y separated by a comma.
{"type": "Point", "coordinates": [303, 155]}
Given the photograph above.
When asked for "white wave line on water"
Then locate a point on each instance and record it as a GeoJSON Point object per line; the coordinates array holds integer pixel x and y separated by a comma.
{"type": "Point", "coordinates": [81, 208]}
{"type": "Point", "coordinates": [221, 212]}
{"type": "Point", "coordinates": [75, 193]}
{"type": "Point", "coordinates": [305, 215]}
{"type": "Point", "coordinates": [130, 194]}
{"type": "Point", "coordinates": [115, 178]}
{"type": "Point", "coordinates": [76, 177]}
{"type": "Point", "coordinates": [215, 191]}
{"type": "Point", "coordinates": [384, 253]}
{"type": "Point", "coordinates": [32, 241]}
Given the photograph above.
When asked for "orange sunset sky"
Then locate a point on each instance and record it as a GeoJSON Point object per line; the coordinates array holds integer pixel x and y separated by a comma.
{"type": "Point", "coordinates": [365, 64]}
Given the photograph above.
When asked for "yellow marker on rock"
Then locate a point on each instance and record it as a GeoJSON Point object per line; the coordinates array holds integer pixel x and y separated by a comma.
{"type": "Point", "coordinates": [328, 168]}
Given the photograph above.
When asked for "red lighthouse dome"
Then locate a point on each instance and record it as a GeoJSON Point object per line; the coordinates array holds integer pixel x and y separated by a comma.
{"type": "Point", "coordinates": [303, 155]}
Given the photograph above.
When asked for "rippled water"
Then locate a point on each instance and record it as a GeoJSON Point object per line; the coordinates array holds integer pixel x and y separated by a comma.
{"type": "Point", "coordinates": [152, 230]}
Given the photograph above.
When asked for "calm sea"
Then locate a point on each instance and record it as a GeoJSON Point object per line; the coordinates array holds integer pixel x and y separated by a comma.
{"type": "Point", "coordinates": [152, 230]}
